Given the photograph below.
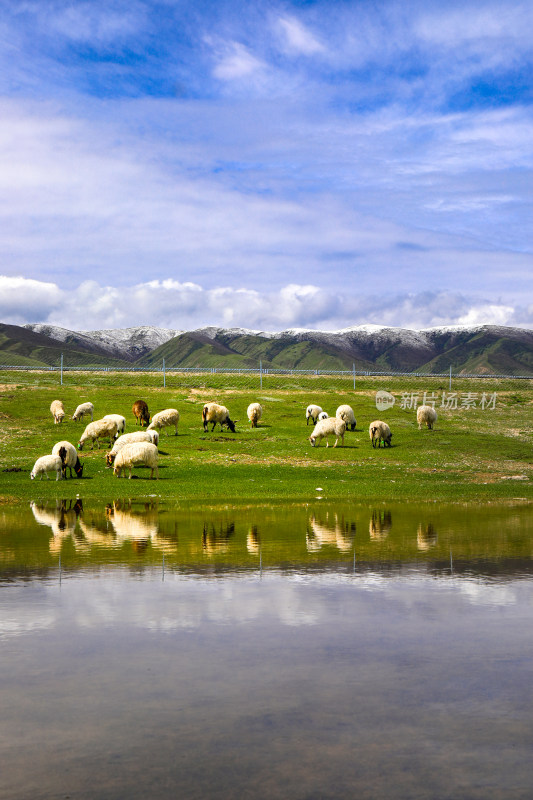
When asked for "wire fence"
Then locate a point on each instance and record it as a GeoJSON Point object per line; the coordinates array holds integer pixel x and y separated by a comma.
{"type": "Point", "coordinates": [252, 379]}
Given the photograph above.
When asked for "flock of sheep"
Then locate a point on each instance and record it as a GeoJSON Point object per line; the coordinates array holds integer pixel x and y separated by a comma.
{"type": "Point", "coordinates": [141, 447]}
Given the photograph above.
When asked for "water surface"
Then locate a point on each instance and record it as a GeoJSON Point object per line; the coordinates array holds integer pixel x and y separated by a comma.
{"type": "Point", "coordinates": [313, 652]}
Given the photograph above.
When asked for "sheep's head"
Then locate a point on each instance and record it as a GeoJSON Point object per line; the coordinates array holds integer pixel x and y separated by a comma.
{"type": "Point", "coordinates": [80, 445]}
{"type": "Point", "coordinates": [109, 459]}
{"type": "Point", "coordinates": [312, 440]}
{"type": "Point", "coordinates": [78, 469]}
{"type": "Point", "coordinates": [231, 425]}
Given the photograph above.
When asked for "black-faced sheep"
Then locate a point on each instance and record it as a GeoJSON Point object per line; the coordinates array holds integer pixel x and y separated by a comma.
{"type": "Point", "coordinates": [311, 413]}
{"type": "Point", "coordinates": [379, 432]}
{"type": "Point", "coordinates": [213, 412]}
{"type": "Point", "coordinates": [346, 413]}
{"type": "Point", "coordinates": [70, 459]}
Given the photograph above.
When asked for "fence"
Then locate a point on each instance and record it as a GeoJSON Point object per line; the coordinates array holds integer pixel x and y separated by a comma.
{"type": "Point", "coordinates": [253, 379]}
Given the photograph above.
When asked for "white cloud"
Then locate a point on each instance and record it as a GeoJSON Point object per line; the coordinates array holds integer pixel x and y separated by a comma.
{"type": "Point", "coordinates": [297, 38]}
{"type": "Point", "coordinates": [236, 63]}
{"type": "Point", "coordinates": [186, 306]}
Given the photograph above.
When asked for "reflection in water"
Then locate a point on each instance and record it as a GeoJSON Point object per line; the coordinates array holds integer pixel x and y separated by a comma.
{"type": "Point", "coordinates": [149, 681]}
{"type": "Point", "coordinates": [426, 536]}
{"type": "Point", "coordinates": [253, 541]}
{"type": "Point", "coordinates": [140, 527]}
{"type": "Point", "coordinates": [332, 529]}
{"type": "Point", "coordinates": [216, 538]}
{"type": "Point", "coordinates": [62, 519]}
{"type": "Point", "coordinates": [380, 525]}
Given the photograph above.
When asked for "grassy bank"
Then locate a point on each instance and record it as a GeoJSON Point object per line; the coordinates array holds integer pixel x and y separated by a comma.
{"type": "Point", "coordinates": [473, 453]}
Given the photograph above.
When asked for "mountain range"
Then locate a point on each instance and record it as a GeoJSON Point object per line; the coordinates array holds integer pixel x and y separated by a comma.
{"type": "Point", "coordinates": [485, 349]}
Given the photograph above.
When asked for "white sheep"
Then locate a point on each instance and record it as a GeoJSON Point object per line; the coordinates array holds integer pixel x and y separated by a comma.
{"type": "Point", "coordinates": [254, 412]}
{"type": "Point", "coordinates": [134, 454]}
{"type": "Point", "coordinates": [46, 464]}
{"type": "Point", "coordinates": [130, 438]}
{"type": "Point", "coordinates": [99, 429]}
{"type": "Point", "coordinates": [333, 426]}
{"type": "Point", "coordinates": [311, 413]}
{"type": "Point", "coordinates": [213, 412]}
{"type": "Point", "coordinates": [323, 415]}
{"type": "Point", "coordinates": [70, 458]}
{"type": "Point", "coordinates": [119, 419]}
{"type": "Point", "coordinates": [165, 419]}
{"type": "Point", "coordinates": [82, 410]}
{"type": "Point", "coordinates": [379, 432]}
{"type": "Point", "coordinates": [57, 410]}
{"type": "Point", "coordinates": [346, 413]}
{"type": "Point", "coordinates": [426, 415]}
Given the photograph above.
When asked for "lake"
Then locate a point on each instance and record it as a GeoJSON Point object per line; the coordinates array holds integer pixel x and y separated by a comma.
{"type": "Point", "coordinates": [313, 651]}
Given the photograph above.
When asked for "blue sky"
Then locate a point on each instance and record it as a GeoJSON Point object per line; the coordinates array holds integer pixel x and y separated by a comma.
{"type": "Point", "coordinates": [267, 165]}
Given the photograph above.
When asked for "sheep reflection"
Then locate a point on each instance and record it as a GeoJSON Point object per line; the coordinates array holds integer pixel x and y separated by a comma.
{"type": "Point", "coordinates": [380, 525]}
{"type": "Point", "coordinates": [140, 527]}
{"type": "Point", "coordinates": [253, 541]}
{"type": "Point", "coordinates": [61, 519]}
{"type": "Point", "coordinates": [426, 536]}
{"type": "Point", "coordinates": [215, 539]}
{"type": "Point", "coordinates": [333, 530]}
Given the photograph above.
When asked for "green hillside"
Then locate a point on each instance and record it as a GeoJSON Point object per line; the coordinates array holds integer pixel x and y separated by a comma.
{"type": "Point", "coordinates": [23, 347]}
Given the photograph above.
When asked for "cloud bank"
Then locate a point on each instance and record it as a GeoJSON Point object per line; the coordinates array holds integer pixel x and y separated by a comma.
{"type": "Point", "coordinates": [187, 306]}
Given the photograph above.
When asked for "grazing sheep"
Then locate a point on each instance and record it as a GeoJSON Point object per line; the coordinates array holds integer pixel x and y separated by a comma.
{"type": "Point", "coordinates": [379, 432]}
{"type": "Point", "coordinates": [70, 460]}
{"type": "Point", "coordinates": [130, 438]}
{"type": "Point", "coordinates": [333, 426]}
{"type": "Point", "coordinates": [165, 419]}
{"type": "Point", "coordinates": [312, 412]}
{"type": "Point", "coordinates": [346, 413]}
{"type": "Point", "coordinates": [426, 415]}
{"type": "Point", "coordinates": [99, 429]}
{"type": "Point", "coordinates": [58, 412]}
{"type": "Point", "coordinates": [46, 464]}
{"type": "Point", "coordinates": [323, 415]}
{"type": "Point", "coordinates": [141, 413]}
{"type": "Point", "coordinates": [120, 420]}
{"type": "Point", "coordinates": [214, 413]}
{"type": "Point", "coordinates": [254, 412]}
{"type": "Point", "coordinates": [82, 410]}
{"type": "Point", "coordinates": [134, 454]}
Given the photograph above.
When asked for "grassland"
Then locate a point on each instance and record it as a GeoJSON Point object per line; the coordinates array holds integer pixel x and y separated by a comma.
{"type": "Point", "coordinates": [473, 454]}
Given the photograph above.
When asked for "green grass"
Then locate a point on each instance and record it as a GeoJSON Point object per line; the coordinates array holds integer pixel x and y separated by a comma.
{"type": "Point", "coordinates": [474, 454]}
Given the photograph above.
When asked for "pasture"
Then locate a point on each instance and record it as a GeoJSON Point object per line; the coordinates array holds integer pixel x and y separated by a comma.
{"type": "Point", "coordinates": [476, 452]}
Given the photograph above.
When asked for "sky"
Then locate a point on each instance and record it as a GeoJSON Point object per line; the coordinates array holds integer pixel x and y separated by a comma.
{"type": "Point", "coordinates": [266, 165]}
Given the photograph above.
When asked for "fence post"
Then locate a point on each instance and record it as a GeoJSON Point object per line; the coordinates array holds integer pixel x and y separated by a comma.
{"type": "Point", "coordinates": [354, 376]}
{"type": "Point", "coordinates": [61, 369]}
{"type": "Point", "coordinates": [164, 375]}
{"type": "Point", "coordinates": [260, 374]}
{"type": "Point", "coordinates": [450, 377]}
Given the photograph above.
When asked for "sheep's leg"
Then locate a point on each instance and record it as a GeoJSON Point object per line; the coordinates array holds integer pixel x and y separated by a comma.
{"type": "Point", "coordinates": [213, 428]}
